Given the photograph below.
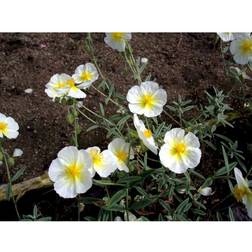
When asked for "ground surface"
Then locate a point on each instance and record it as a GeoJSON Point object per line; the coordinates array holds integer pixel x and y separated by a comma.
{"type": "Point", "coordinates": [185, 64]}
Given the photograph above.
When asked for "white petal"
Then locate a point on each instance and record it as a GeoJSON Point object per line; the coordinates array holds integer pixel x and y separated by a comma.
{"type": "Point", "coordinates": [134, 94]}
{"type": "Point", "coordinates": [153, 112]}
{"type": "Point", "coordinates": [56, 170]}
{"type": "Point", "coordinates": [84, 183]}
{"type": "Point", "coordinates": [168, 161]}
{"type": "Point", "coordinates": [76, 93]}
{"type": "Point", "coordinates": [206, 191]}
{"type": "Point", "coordinates": [17, 152]}
{"type": "Point", "coordinates": [12, 124]}
{"type": "Point", "coordinates": [175, 133]}
{"type": "Point", "coordinates": [192, 159]}
{"type": "Point", "coordinates": [108, 166]}
{"type": "Point", "coordinates": [191, 140]}
{"type": "Point", "coordinates": [65, 188]}
{"type": "Point", "coordinates": [116, 144]}
{"type": "Point", "coordinates": [68, 155]}
{"type": "Point", "coordinates": [11, 134]}
{"type": "Point", "coordinates": [28, 90]}
{"type": "Point", "coordinates": [83, 159]}
{"type": "Point", "coordinates": [239, 59]}
{"type": "Point", "coordinates": [239, 178]}
{"type": "Point", "coordinates": [2, 117]}
{"type": "Point", "coordinates": [149, 87]}
{"type": "Point", "coordinates": [160, 97]}
{"type": "Point", "coordinates": [136, 109]}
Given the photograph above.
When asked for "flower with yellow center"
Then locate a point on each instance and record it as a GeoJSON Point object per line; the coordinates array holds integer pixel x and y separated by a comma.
{"type": "Point", "coordinates": [117, 40]}
{"type": "Point", "coordinates": [63, 85]}
{"type": "Point", "coordinates": [85, 75]}
{"type": "Point", "coordinates": [147, 99]}
{"type": "Point", "coordinates": [241, 49]}
{"type": "Point", "coordinates": [242, 191]}
{"type": "Point", "coordinates": [104, 163]}
{"type": "Point", "coordinates": [122, 152]}
{"type": "Point", "coordinates": [8, 127]}
{"type": "Point", "coordinates": [180, 151]}
{"type": "Point", "coordinates": [145, 134]}
{"type": "Point", "coordinates": [57, 86]}
{"type": "Point", "coordinates": [70, 172]}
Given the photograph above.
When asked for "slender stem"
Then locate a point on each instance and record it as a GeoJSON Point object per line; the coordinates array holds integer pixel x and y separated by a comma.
{"type": "Point", "coordinates": [110, 99]}
{"type": "Point", "coordinates": [172, 118]}
{"type": "Point", "coordinates": [127, 205]}
{"type": "Point", "coordinates": [76, 125]}
{"type": "Point", "coordinates": [87, 117]}
{"type": "Point", "coordinates": [10, 182]}
{"type": "Point", "coordinates": [110, 212]}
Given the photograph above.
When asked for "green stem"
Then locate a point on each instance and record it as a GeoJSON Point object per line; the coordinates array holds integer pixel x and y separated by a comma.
{"type": "Point", "coordinates": [76, 125]}
{"type": "Point", "coordinates": [87, 117]}
{"type": "Point", "coordinates": [79, 206]}
{"type": "Point", "coordinates": [127, 205]}
{"type": "Point", "coordinates": [104, 95]}
{"type": "Point", "coordinates": [9, 181]}
{"type": "Point", "coordinates": [172, 118]}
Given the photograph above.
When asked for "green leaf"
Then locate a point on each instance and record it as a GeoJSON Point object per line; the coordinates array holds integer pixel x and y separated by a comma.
{"type": "Point", "coordinates": [142, 203]}
{"type": "Point", "coordinates": [117, 197]}
{"type": "Point", "coordinates": [183, 207]}
{"type": "Point", "coordinates": [18, 174]}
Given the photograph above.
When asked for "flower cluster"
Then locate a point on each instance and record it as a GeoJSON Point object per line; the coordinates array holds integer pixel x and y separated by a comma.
{"type": "Point", "coordinates": [64, 85]}
{"type": "Point", "coordinates": [73, 169]}
{"type": "Point", "coordinates": [240, 47]}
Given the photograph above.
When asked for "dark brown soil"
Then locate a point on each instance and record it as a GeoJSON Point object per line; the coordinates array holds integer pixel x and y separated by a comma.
{"type": "Point", "coordinates": [185, 64]}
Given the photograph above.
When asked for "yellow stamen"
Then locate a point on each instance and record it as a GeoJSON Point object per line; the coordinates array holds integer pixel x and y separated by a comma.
{"type": "Point", "coordinates": [86, 76]}
{"type": "Point", "coordinates": [60, 85]}
{"type": "Point", "coordinates": [147, 101]}
{"type": "Point", "coordinates": [3, 127]}
{"type": "Point", "coordinates": [147, 133]}
{"type": "Point", "coordinates": [73, 172]}
{"type": "Point", "coordinates": [241, 191]}
{"type": "Point", "coordinates": [178, 150]}
{"type": "Point", "coordinates": [117, 36]}
{"type": "Point", "coordinates": [71, 84]}
{"type": "Point", "coordinates": [246, 46]}
{"type": "Point", "coordinates": [122, 155]}
{"type": "Point", "coordinates": [96, 157]}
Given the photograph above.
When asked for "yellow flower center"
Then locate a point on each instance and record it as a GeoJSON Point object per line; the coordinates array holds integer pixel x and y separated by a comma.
{"type": "Point", "coordinates": [71, 84]}
{"type": "Point", "coordinates": [3, 127]}
{"type": "Point", "coordinates": [117, 36]}
{"type": "Point", "coordinates": [147, 101]}
{"type": "Point", "coordinates": [246, 46]}
{"type": "Point", "coordinates": [241, 191]}
{"type": "Point", "coordinates": [178, 150]}
{"type": "Point", "coordinates": [73, 172]}
{"type": "Point", "coordinates": [147, 133]}
{"type": "Point", "coordinates": [60, 85]}
{"type": "Point", "coordinates": [86, 76]}
{"type": "Point", "coordinates": [96, 157]}
{"type": "Point", "coordinates": [122, 155]}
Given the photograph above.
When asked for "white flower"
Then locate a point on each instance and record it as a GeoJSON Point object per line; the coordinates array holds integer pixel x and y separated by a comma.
{"type": "Point", "coordinates": [122, 152]}
{"type": "Point", "coordinates": [145, 135]}
{"type": "Point", "coordinates": [206, 191]}
{"type": "Point", "coordinates": [69, 172]}
{"type": "Point", "coordinates": [180, 151]}
{"type": "Point", "coordinates": [8, 127]}
{"type": "Point", "coordinates": [28, 90]}
{"type": "Point", "coordinates": [17, 153]}
{"type": "Point", "coordinates": [104, 163]}
{"type": "Point", "coordinates": [229, 36]}
{"type": "Point", "coordinates": [147, 99]}
{"type": "Point", "coordinates": [242, 191]}
{"type": "Point", "coordinates": [242, 50]}
{"type": "Point", "coordinates": [117, 40]}
{"type": "Point", "coordinates": [85, 75]}
{"type": "Point", "coordinates": [61, 85]}
{"type": "Point", "coordinates": [226, 36]}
